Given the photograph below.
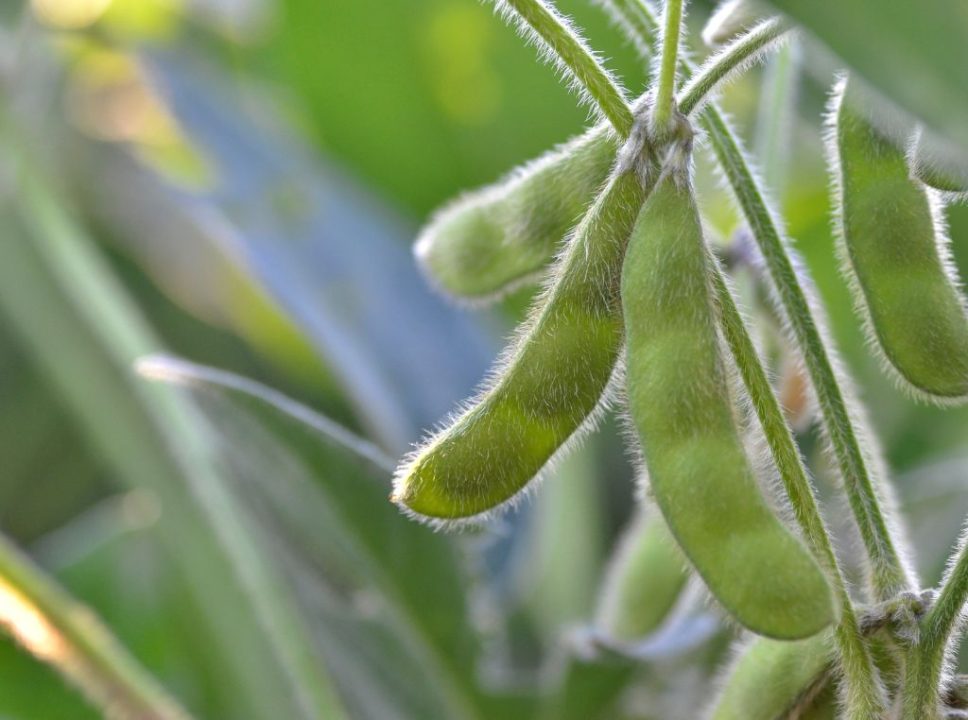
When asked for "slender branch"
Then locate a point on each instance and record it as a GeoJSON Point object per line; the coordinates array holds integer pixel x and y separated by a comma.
{"type": "Point", "coordinates": [668, 63]}
{"type": "Point", "coordinates": [56, 629]}
{"type": "Point", "coordinates": [566, 47]}
{"type": "Point", "coordinates": [925, 664]}
{"type": "Point", "coordinates": [865, 696]}
{"type": "Point", "coordinates": [733, 58]}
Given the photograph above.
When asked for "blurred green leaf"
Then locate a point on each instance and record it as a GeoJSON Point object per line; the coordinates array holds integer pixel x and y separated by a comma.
{"type": "Point", "coordinates": [332, 255]}
{"type": "Point", "coordinates": [321, 496]}
{"type": "Point", "coordinates": [913, 52]}
{"type": "Point", "coordinates": [73, 316]}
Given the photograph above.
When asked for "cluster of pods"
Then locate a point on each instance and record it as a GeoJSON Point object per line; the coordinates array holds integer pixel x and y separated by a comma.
{"type": "Point", "coordinates": [629, 312]}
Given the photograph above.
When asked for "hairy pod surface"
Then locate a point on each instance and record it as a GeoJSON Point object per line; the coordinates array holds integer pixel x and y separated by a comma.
{"type": "Point", "coordinates": [773, 679]}
{"type": "Point", "coordinates": [493, 239]}
{"type": "Point", "coordinates": [896, 258]}
{"type": "Point", "coordinates": [643, 580]}
{"type": "Point", "coordinates": [549, 384]}
{"type": "Point", "coordinates": [682, 410]}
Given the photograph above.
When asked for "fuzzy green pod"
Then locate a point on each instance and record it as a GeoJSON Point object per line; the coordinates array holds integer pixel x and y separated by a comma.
{"type": "Point", "coordinates": [494, 239]}
{"type": "Point", "coordinates": [681, 407]}
{"type": "Point", "coordinates": [896, 259]}
{"type": "Point", "coordinates": [549, 385]}
{"type": "Point", "coordinates": [642, 582]}
{"type": "Point", "coordinates": [773, 679]}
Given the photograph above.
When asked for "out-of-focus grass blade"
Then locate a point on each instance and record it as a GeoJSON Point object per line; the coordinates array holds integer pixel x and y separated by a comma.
{"type": "Point", "coordinates": [76, 319]}
{"type": "Point", "coordinates": [56, 629]}
{"type": "Point", "coordinates": [321, 494]}
{"type": "Point", "coordinates": [913, 52]}
{"type": "Point", "coordinates": [333, 257]}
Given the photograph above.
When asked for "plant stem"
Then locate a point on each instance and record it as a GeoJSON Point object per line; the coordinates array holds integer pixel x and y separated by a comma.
{"type": "Point", "coordinates": [668, 64]}
{"type": "Point", "coordinates": [56, 629]}
{"type": "Point", "coordinates": [732, 58]}
{"type": "Point", "coordinates": [925, 659]}
{"type": "Point", "coordinates": [889, 575]}
{"type": "Point", "coordinates": [865, 697]}
{"type": "Point", "coordinates": [570, 50]}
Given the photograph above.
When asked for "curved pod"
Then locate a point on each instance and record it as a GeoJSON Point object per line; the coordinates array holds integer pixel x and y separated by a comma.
{"type": "Point", "coordinates": [682, 410]}
{"type": "Point", "coordinates": [643, 580]}
{"type": "Point", "coordinates": [491, 240]}
{"type": "Point", "coordinates": [773, 679]}
{"type": "Point", "coordinates": [549, 384]}
{"type": "Point", "coordinates": [896, 258]}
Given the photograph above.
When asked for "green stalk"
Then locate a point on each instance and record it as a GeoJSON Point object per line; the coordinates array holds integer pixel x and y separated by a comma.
{"type": "Point", "coordinates": [668, 63]}
{"type": "Point", "coordinates": [571, 51]}
{"type": "Point", "coordinates": [58, 630]}
{"type": "Point", "coordinates": [733, 58]}
{"type": "Point", "coordinates": [925, 664]}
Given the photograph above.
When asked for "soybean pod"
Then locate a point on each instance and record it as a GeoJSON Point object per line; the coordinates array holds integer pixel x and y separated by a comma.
{"type": "Point", "coordinates": [681, 407]}
{"type": "Point", "coordinates": [774, 679]}
{"type": "Point", "coordinates": [896, 259]}
{"type": "Point", "coordinates": [642, 582]}
{"type": "Point", "coordinates": [496, 238]}
{"type": "Point", "coordinates": [550, 384]}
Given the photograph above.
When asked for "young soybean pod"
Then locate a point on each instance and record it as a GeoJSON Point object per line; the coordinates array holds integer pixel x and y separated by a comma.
{"type": "Point", "coordinates": [491, 240]}
{"type": "Point", "coordinates": [896, 258]}
{"type": "Point", "coordinates": [548, 387]}
{"type": "Point", "coordinates": [643, 580]}
{"type": "Point", "coordinates": [774, 679]}
{"type": "Point", "coordinates": [681, 407]}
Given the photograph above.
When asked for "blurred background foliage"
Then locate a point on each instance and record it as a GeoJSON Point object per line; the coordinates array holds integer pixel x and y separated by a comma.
{"type": "Point", "coordinates": [237, 182]}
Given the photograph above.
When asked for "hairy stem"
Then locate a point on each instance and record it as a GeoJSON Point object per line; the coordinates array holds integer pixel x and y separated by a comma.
{"type": "Point", "coordinates": [572, 52]}
{"type": "Point", "coordinates": [889, 575]}
{"type": "Point", "coordinates": [732, 58]}
{"type": "Point", "coordinates": [924, 669]}
{"type": "Point", "coordinates": [865, 698]}
{"type": "Point", "coordinates": [56, 629]}
{"type": "Point", "coordinates": [668, 64]}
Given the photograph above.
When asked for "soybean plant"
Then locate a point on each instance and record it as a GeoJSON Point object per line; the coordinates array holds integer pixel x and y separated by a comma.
{"type": "Point", "coordinates": [636, 310]}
